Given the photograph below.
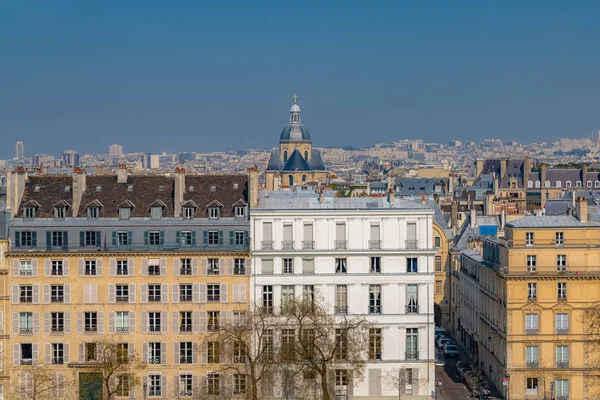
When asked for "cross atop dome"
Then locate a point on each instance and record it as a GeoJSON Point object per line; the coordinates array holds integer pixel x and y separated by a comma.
{"type": "Point", "coordinates": [295, 96]}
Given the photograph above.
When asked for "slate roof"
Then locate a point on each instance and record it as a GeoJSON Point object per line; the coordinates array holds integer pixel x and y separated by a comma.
{"type": "Point", "coordinates": [546, 221]}
{"type": "Point", "coordinates": [315, 163]}
{"type": "Point", "coordinates": [417, 186]}
{"type": "Point", "coordinates": [46, 191]}
{"type": "Point", "coordinates": [295, 131]}
{"type": "Point", "coordinates": [296, 163]}
{"type": "Point", "coordinates": [225, 192]}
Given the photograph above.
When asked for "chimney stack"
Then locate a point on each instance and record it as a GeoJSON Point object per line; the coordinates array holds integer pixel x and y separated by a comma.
{"type": "Point", "coordinates": [391, 196]}
{"type": "Point", "coordinates": [454, 214]}
{"type": "Point", "coordinates": [543, 168]}
{"type": "Point", "coordinates": [179, 190]}
{"type": "Point", "coordinates": [79, 185]}
{"type": "Point", "coordinates": [276, 182]}
{"type": "Point", "coordinates": [478, 167]}
{"type": "Point", "coordinates": [15, 186]}
{"type": "Point", "coordinates": [503, 167]}
{"type": "Point", "coordinates": [122, 173]}
{"type": "Point", "coordinates": [584, 177]}
{"type": "Point", "coordinates": [581, 209]}
{"type": "Point", "coordinates": [423, 201]}
{"type": "Point", "coordinates": [253, 183]}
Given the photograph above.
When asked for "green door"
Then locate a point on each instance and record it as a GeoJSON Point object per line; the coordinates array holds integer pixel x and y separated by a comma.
{"type": "Point", "coordinates": [90, 386]}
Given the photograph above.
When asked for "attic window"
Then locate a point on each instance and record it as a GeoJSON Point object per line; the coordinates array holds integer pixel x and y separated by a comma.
{"type": "Point", "coordinates": [60, 212]}
{"type": "Point", "coordinates": [240, 211]}
{"type": "Point", "coordinates": [29, 212]}
{"type": "Point", "coordinates": [558, 184]}
{"type": "Point", "coordinates": [597, 184]}
{"type": "Point", "coordinates": [578, 184]}
{"type": "Point", "coordinates": [547, 184]}
{"type": "Point", "coordinates": [213, 212]}
{"type": "Point", "coordinates": [67, 188]}
{"type": "Point", "coordinates": [188, 212]}
{"type": "Point", "coordinates": [589, 183]}
{"type": "Point", "coordinates": [537, 184]}
{"type": "Point", "coordinates": [156, 212]}
{"type": "Point", "coordinates": [191, 189]}
{"type": "Point", "coordinates": [529, 184]}
{"type": "Point", "coordinates": [36, 189]}
{"type": "Point", "coordinates": [92, 212]}
{"type": "Point", "coordinates": [213, 188]}
{"type": "Point", "coordinates": [130, 188]}
{"type": "Point", "coordinates": [235, 185]}
{"type": "Point", "coordinates": [98, 188]}
{"type": "Point", "coordinates": [161, 188]}
{"type": "Point", "coordinates": [568, 183]}
{"type": "Point", "coordinates": [124, 212]}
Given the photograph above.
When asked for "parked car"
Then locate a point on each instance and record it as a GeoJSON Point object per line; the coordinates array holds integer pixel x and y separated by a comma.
{"type": "Point", "coordinates": [442, 341]}
{"type": "Point", "coordinates": [439, 332]}
{"type": "Point", "coordinates": [462, 368]}
{"type": "Point", "coordinates": [450, 350]}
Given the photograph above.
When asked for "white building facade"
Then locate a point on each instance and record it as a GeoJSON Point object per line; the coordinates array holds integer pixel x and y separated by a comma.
{"type": "Point", "coordinates": [363, 257]}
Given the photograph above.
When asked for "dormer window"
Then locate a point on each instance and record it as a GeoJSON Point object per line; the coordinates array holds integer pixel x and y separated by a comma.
{"type": "Point", "coordinates": [578, 184]}
{"type": "Point", "coordinates": [60, 212]}
{"type": "Point", "coordinates": [156, 212]}
{"type": "Point", "coordinates": [213, 188]}
{"type": "Point", "coordinates": [213, 212]}
{"type": "Point", "coordinates": [93, 212]}
{"type": "Point", "coordinates": [29, 212]}
{"type": "Point", "coordinates": [124, 212]}
{"type": "Point", "coordinates": [537, 184]}
{"type": "Point", "coordinates": [589, 184]}
{"type": "Point", "coordinates": [240, 211]}
{"type": "Point", "coordinates": [235, 185]}
{"type": "Point", "coordinates": [188, 212]}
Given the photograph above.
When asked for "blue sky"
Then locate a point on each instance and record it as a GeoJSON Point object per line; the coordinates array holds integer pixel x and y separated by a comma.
{"type": "Point", "coordinates": [203, 76]}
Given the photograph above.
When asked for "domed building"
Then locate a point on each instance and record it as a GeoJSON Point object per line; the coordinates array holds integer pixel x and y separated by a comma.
{"type": "Point", "coordinates": [295, 162]}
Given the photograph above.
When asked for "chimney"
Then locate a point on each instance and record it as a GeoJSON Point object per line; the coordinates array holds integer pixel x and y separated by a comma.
{"type": "Point", "coordinates": [584, 175]}
{"type": "Point", "coordinates": [543, 175]}
{"type": "Point", "coordinates": [179, 190]}
{"type": "Point", "coordinates": [496, 185]}
{"type": "Point", "coordinates": [79, 185]}
{"type": "Point", "coordinates": [478, 167]}
{"type": "Point", "coordinates": [502, 168]}
{"type": "Point", "coordinates": [581, 208]}
{"type": "Point", "coordinates": [454, 214]}
{"type": "Point", "coordinates": [122, 173]}
{"type": "Point", "coordinates": [423, 201]}
{"type": "Point", "coordinates": [391, 196]}
{"type": "Point", "coordinates": [502, 219]}
{"type": "Point", "coordinates": [321, 197]}
{"type": "Point", "coordinates": [526, 168]}
{"type": "Point", "coordinates": [450, 184]}
{"type": "Point", "coordinates": [15, 186]}
{"type": "Point", "coordinates": [275, 182]}
{"type": "Point", "coordinates": [473, 217]}
{"type": "Point", "coordinates": [253, 183]}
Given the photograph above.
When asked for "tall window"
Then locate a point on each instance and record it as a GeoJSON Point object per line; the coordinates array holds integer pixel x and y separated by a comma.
{"type": "Point", "coordinates": [186, 292]}
{"type": "Point", "coordinates": [239, 238]}
{"type": "Point", "coordinates": [562, 323]}
{"type": "Point", "coordinates": [412, 299]}
{"type": "Point", "coordinates": [58, 353]}
{"type": "Point", "coordinates": [213, 238]}
{"type": "Point", "coordinates": [412, 344]}
{"type": "Point", "coordinates": [154, 293]}
{"type": "Point", "coordinates": [123, 385]}
{"type": "Point", "coordinates": [25, 268]}
{"type": "Point", "coordinates": [375, 344]}
{"type": "Point", "coordinates": [213, 384]}
{"type": "Point", "coordinates": [213, 320]}
{"type": "Point", "coordinates": [26, 323]}
{"type": "Point", "coordinates": [562, 388]}
{"type": "Point", "coordinates": [185, 385]}
{"type": "Point", "coordinates": [529, 238]}
{"type": "Point", "coordinates": [532, 386]}
{"type": "Point", "coordinates": [57, 320]}
{"type": "Point", "coordinates": [561, 260]}
{"type": "Point", "coordinates": [340, 266]}
{"type": "Point", "coordinates": [341, 344]}
{"type": "Point", "coordinates": [341, 299]}
{"type": "Point", "coordinates": [185, 321]}
{"type": "Point", "coordinates": [239, 384]}
{"type": "Point", "coordinates": [268, 343]}
{"type": "Point", "coordinates": [91, 322]}
{"type": "Point", "coordinates": [154, 353]}
{"type": "Point", "coordinates": [375, 265]}
{"type": "Point", "coordinates": [213, 266]}
{"type": "Point", "coordinates": [213, 212]}
{"type": "Point", "coordinates": [374, 299]}
{"type": "Point", "coordinates": [154, 322]}
{"type": "Point", "coordinates": [560, 238]}
{"type": "Point", "coordinates": [287, 295]}
{"type": "Point", "coordinates": [185, 352]}
{"type": "Point", "coordinates": [288, 266]}
{"type": "Point", "coordinates": [90, 267]}
{"type": "Point", "coordinates": [267, 298]}
{"type": "Point", "coordinates": [412, 264]}
{"type": "Point", "coordinates": [531, 353]}
{"type": "Point", "coordinates": [562, 356]}
{"type": "Point", "coordinates": [532, 290]}
{"type": "Point", "coordinates": [531, 323]}
{"type": "Point", "coordinates": [437, 241]}
{"type": "Point", "coordinates": [155, 389]}
{"type": "Point", "coordinates": [56, 267]}
{"type": "Point", "coordinates": [239, 266]}
{"type": "Point", "coordinates": [214, 292]}
{"type": "Point", "coordinates": [122, 321]}
{"type": "Point", "coordinates": [438, 263]}
{"type": "Point", "coordinates": [185, 266]}
{"type": "Point", "coordinates": [288, 344]}
{"type": "Point", "coordinates": [213, 349]}
{"type": "Point", "coordinates": [562, 290]}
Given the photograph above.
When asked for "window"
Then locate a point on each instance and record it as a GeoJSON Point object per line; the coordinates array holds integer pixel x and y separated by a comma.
{"type": "Point", "coordinates": [412, 299]}
{"type": "Point", "coordinates": [531, 263]}
{"type": "Point", "coordinates": [122, 267]}
{"type": "Point", "coordinates": [213, 212]}
{"type": "Point", "coordinates": [239, 266]}
{"type": "Point", "coordinates": [122, 322]}
{"type": "Point", "coordinates": [562, 356]}
{"type": "Point", "coordinates": [122, 238]}
{"type": "Point", "coordinates": [558, 184]}
{"type": "Point", "coordinates": [185, 321]}
{"type": "Point", "coordinates": [155, 389]}
{"type": "Point", "coordinates": [185, 352]}
{"type": "Point", "coordinates": [154, 292]}
{"type": "Point", "coordinates": [240, 238]}
{"type": "Point", "coordinates": [186, 292]}
{"type": "Point", "coordinates": [307, 343]}
{"type": "Point", "coordinates": [154, 351]}
{"type": "Point", "coordinates": [154, 267]}
{"type": "Point", "coordinates": [239, 317]}
{"type": "Point", "coordinates": [562, 388]}
{"type": "Point", "coordinates": [240, 211]}
{"type": "Point", "coordinates": [341, 377]}
{"type": "Point", "coordinates": [156, 212]}
{"type": "Point", "coordinates": [239, 350]}
{"type": "Point", "coordinates": [288, 343]}
{"type": "Point", "coordinates": [589, 184]}
{"type": "Point", "coordinates": [154, 322]}
{"type": "Point", "coordinates": [341, 344]}
{"type": "Point", "coordinates": [287, 295]}
{"type": "Point", "coordinates": [185, 238]}
{"type": "Point", "coordinates": [92, 212]}
{"type": "Point", "coordinates": [122, 352]}
{"type": "Point", "coordinates": [213, 266]}
{"type": "Point", "coordinates": [57, 293]}
{"type": "Point", "coordinates": [124, 212]}
{"type": "Point", "coordinates": [26, 294]}
{"type": "Point", "coordinates": [562, 323]}
{"type": "Point", "coordinates": [57, 238]}
{"type": "Point", "coordinates": [288, 266]}
{"type": "Point", "coordinates": [537, 184]}
{"type": "Point", "coordinates": [568, 183]}
{"type": "Point", "coordinates": [185, 266]}
{"type": "Point", "coordinates": [308, 266]}
{"type": "Point", "coordinates": [29, 212]}
{"type": "Point", "coordinates": [213, 238]}
{"type": "Point", "coordinates": [91, 353]}
{"type": "Point", "coordinates": [374, 343]}
{"type": "Point", "coordinates": [122, 293]}
{"type": "Point", "coordinates": [25, 268]}
{"type": "Point", "coordinates": [412, 265]}
{"type": "Point", "coordinates": [58, 352]}
{"type": "Point", "coordinates": [267, 298]}
{"type": "Point", "coordinates": [412, 346]}
{"type": "Point", "coordinates": [25, 239]}
{"type": "Point", "coordinates": [374, 299]}
{"type": "Point", "coordinates": [214, 292]}
{"type": "Point", "coordinates": [268, 342]}
{"type": "Point", "coordinates": [213, 382]}
{"type": "Point", "coordinates": [562, 290]}
{"type": "Point", "coordinates": [560, 238]}
{"type": "Point", "coordinates": [532, 386]}
{"type": "Point", "coordinates": [532, 290]}
{"type": "Point", "coordinates": [90, 322]}
{"type": "Point", "coordinates": [438, 287]}
{"type": "Point", "coordinates": [57, 322]}
{"type": "Point", "coordinates": [25, 323]}
{"type": "Point", "coordinates": [154, 238]}
{"type": "Point", "coordinates": [308, 293]}
{"type": "Point", "coordinates": [578, 184]}
{"type": "Point", "coordinates": [213, 352]}
{"type": "Point", "coordinates": [529, 238]}
{"type": "Point", "coordinates": [185, 385]}
{"type": "Point", "coordinates": [375, 265]}
{"type": "Point", "coordinates": [341, 299]}
{"type": "Point", "coordinates": [123, 386]}
{"type": "Point", "coordinates": [213, 320]}
{"type": "Point", "coordinates": [239, 384]}
{"type": "Point", "coordinates": [438, 263]}
{"type": "Point", "coordinates": [188, 212]}
{"type": "Point", "coordinates": [90, 267]}
{"type": "Point", "coordinates": [340, 235]}
{"type": "Point", "coordinates": [340, 266]}
{"type": "Point", "coordinates": [561, 260]}
{"type": "Point", "coordinates": [437, 241]}
{"type": "Point", "coordinates": [531, 356]}
{"type": "Point", "coordinates": [531, 323]}
{"type": "Point", "coordinates": [529, 184]}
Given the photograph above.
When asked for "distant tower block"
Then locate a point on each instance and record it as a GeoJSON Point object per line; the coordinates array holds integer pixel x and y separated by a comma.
{"type": "Point", "coordinates": [596, 136]}
{"type": "Point", "coordinates": [19, 150]}
{"type": "Point", "coordinates": [115, 150]}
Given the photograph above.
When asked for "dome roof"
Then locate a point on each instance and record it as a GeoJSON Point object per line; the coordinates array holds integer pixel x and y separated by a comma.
{"type": "Point", "coordinates": [295, 108]}
{"type": "Point", "coordinates": [295, 132]}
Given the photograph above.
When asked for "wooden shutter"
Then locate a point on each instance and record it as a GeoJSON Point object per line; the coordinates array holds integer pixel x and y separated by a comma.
{"type": "Point", "coordinates": [145, 354]}
{"type": "Point", "coordinates": [15, 294]}
{"type": "Point", "coordinates": [230, 266]}
{"type": "Point", "coordinates": [46, 294]}
{"type": "Point", "coordinates": [67, 322]}
{"type": "Point", "coordinates": [65, 267]}
{"type": "Point", "coordinates": [79, 322]}
{"type": "Point", "coordinates": [46, 323]}
{"type": "Point", "coordinates": [47, 268]}
{"type": "Point", "coordinates": [143, 293]}
{"type": "Point", "coordinates": [101, 322]}
{"type": "Point", "coordinates": [130, 267]}
{"type": "Point", "coordinates": [15, 323]}
{"type": "Point", "coordinates": [36, 323]}
{"type": "Point", "coordinates": [36, 294]}
{"type": "Point", "coordinates": [144, 322]}
{"type": "Point", "coordinates": [164, 322]}
{"type": "Point", "coordinates": [202, 292]}
{"type": "Point", "coordinates": [175, 293]}
{"type": "Point", "coordinates": [163, 266]}
{"type": "Point", "coordinates": [340, 231]}
{"type": "Point", "coordinates": [176, 267]}
{"type": "Point", "coordinates": [204, 266]}
{"type": "Point", "coordinates": [164, 293]}
{"type": "Point", "coordinates": [163, 353]}
{"type": "Point", "coordinates": [223, 292]}
{"type": "Point", "coordinates": [111, 292]}
{"type": "Point", "coordinates": [80, 267]}
{"type": "Point", "coordinates": [176, 353]}
{"type": "Point", "coordinates": [111, 322]}
{"type": "Point", "coordinates": [16, 354]}
{"type": "Point", "coordinates": [267, 231]}
{"type": "Point", "coordinates": [196, 292]}
{"type": "Point", "coordinates": [113, 267]}
{"type": "Point", "coordinates": [99, 267]}
{"type": "Point", "coordinates": [132, 292]}
{"type": "Point", "coordinates": [67, 293]}
{"type": "Point", "coordinates": [194, 266]}
{"type": "Point", "coordinates": [144, 267]}
{"type": "Point", "coordinates": [222, 266]}
{"type": "Point", "coordinates": [34, 268]}
{"type": "Point", "coordinates": [131, 321]}
{"type": "Point", "coordinates": [175, 321]}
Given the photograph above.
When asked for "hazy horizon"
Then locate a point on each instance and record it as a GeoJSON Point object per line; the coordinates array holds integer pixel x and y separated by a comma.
{"type": "Point", "coordinates": [156, 77]}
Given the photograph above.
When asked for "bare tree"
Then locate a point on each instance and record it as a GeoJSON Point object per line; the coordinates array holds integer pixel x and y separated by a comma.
{"type": "Point", "coordinates": [400, 379]}
{"type": "Point", "coordinates": [117, 366]}
{"type": "Point", "coordinates": [474, 379]}
{"type": "Point", "coordinates": [325, 343]}
{"type": "Point", "coordinates": [40, 382]}
{"type": "Point", "coordinates": [545, 377]}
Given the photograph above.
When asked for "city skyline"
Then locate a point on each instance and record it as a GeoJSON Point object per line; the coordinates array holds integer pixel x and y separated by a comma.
{"type": "Point", "coordinates": [360, 73]}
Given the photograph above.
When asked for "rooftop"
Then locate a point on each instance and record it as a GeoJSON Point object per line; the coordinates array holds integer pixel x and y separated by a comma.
{"type": "Point", "coordinates": [550, 221]}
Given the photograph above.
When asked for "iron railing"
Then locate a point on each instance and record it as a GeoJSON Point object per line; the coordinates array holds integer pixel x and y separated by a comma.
{"type": "Point", "coordinates": [374, 244]}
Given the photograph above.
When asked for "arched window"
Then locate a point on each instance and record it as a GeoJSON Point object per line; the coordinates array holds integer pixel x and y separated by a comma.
{"type": "Point", "coordinates": [558, 184]}
{"type": "Point", "coordinates": [537, 184]}
{"type": "Point", "coordinates": [529, 184]}
{"type": "Point", "coordinates": [578, 184]}
{"type": "Point", "coordinates": [597, 184]}
{"type": "Point", "coordinates": [306, 155]}
{"type": "Point", "coordinates": [285, 156]}
{"type": "Point", "coordinates": [568, 183]}
{"type": "Point", "coordinates": [291, 179]}
{"type": "Point", "coordinates": [547, 184]}
{"type": "Point", "coordinates": [589, 183]}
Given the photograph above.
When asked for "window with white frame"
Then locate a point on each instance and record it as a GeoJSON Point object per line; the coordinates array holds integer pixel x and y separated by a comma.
{"type": "Point", "coordinates": [213, 384]}
{"type": "Point", "coordinates": [562, 322]}
{"type": "Point", "coordinates": [561, 290]}
{"type": "Point", "coordinates": [531, 262]}
{"type": "Point", "coordinates": [561, 260]}
{"type": "Point", "coordinates": [529, 238]}
{"type": "Point", "coordinates": [562, 388]}
{"type": "Point", "coordinates": [560, 238]}
{"type": "Point", "coordinates": [288, 266]}
{"type": "Point", "coordinates": [239, 384]}
{"type": "Point", "coordinates": [240, 211]}
{"type": "Point", "coordinates": [340, 266]}
{"type": "Point", "coordinates": [532, 386]}
{"type": "Point", "coordinates": [532, 290]}
{"type": "Point", "coordinates": [185, 385]}
{"type": "Point", "coordinates": [213, 212]}
{"type": "Point", "coordinates": [558, 184]}
{"type": "Point", "coordinates": [531, 322]}
{"type": "Point", "coordinates": [154, 388]}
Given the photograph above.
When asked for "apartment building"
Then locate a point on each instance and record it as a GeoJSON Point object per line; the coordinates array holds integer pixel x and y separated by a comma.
{"type": "Point", "coordinates": [149, 262]}
{"type": "Point", "coordinates": [4, 307]}
{"type": "Point", "coordinates": [371, 257]}
{"type": "Point", "coordinates": [526, 294]}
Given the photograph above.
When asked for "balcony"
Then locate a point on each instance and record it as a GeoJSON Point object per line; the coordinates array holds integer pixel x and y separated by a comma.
{"type": "Point", "coordinates": [562, 364]}
{"type": "Point", "coordinates": [533, 331]}
{"type": "Point", "coordinates": [154, 329]}
{"type": "Point", "coordinates": [562, 331]}
{"type": "Point", "coordinates": [212, 327]}
{"type": "Point", "coordinates": [154, 298]}
{"type": "Point", "coordinates": [341, 310]}
{"type": "Point", "coordinates": [411, 355]}
{"type": "Point", "coordinates": [154, 392]}
{"type": "Point", "coordinates": [122, 329]}
{"type": "Point", "coordinates": [237, 359]}
{"type": "Point", "coordinates": [26, 331]}
{"type": "Point", "coordinates": [59, 330]}
{"type": "Point", "coordinates": [57, 299]}
{"type": "Point", "coordinates": [340, 244]}
{"type": "Point", "coordinates": [25, 272]}
{"type": "Point", "coordinates": [374, 244]}
{"type": "Point", "coordinates": [287, 245]}
{"type": "Point", "coordinates": [122, 272]}
{"type": "Point", "coordinates": [122, 299]}
{"type": "Point", "coordinates": [532, 364]}
{"type": "Point", "coordinates": [57, 361]}
{"type": "Point", "coordinates": [308, 245]}
{"type": "Point", "coordinates": [26, 361]}
{"type": "Point", "coordinates": [154, 360]}
{"type": "Point", "coordinates": [56, 272]}
{"type": "Point", "coordinates": [154, 271]}
{"type": "Point", "coordinates": [90, 329]}
{"type": "Point", "coordinates": [532, 297]}
{"type": "Point", "coordinates": [266, 245]}
{"type": "Point", "coordinates": [89, 272]}
{"type": "Point", "coordinates": [374, 309]}
{"type": "Point", "coordinates": [412, 309]}
{"type": "Point", "coordinates": [185, 328]}
{"type": "Point", "coordinates": [185, 360]}
{"type": "Point", "coordinates": [412, 244]}
{"type": "Point", "coordinates": [185, 271]}
{"type": "Point", "coordinates": [185, 298]}
{"type": "Point", "coordinates": [26, 299]}
{"type": "Point", "coordinates": [562, 297]}
{"type": "Point", "coordinates": [561, 398]}
{"type": "Point", "coordinates": [213, 298]}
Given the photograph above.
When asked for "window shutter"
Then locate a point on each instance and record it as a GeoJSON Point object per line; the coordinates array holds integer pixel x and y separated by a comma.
{"type": "Point", "coordinates": [196, 293]}
{"type": "Point", "coordinates": [36, 294]}
{"type": "Point", "coordinates": [65, 267]}
{"type": "Point", "coordinates": [15, 323]}
{"type": "Point", "coordinates": [194, 266]}
{"type": "Point", "coordinates": [15, 294]}
{"type": "Point", "coordinates": [163, 353]}
{"type": "Point", "coordinates": [111, 293]}
{"type": "Point", "coordinates": [176, 353]}
{"type": "Point", "coordinates": [111, 322]}
{"type": "Point", "coordinates": [161, 237]}
{"type": "Point", "coordinates": [222, 266]}
{"type": "Point", "coordinates": [202, 320]}
{"type": "Point", "coordinates": [67, 352]}
{"type": "Point", "coordinates": [175, 293]}
{"type": "Point", "coordinates": [146, 238]}
{"type": "Point", "coordinates": [145, 355]}
{"type": "Point", "coordinates": [175, 386]}
{"type": "Point", "coordinates": [16, 354]}
{"type": "Point", "coordinates": [79, 322]}
{"type": "Point", "coordinates": [81, 267]}
{"type": "Point", "coordinates": [163, 267]}
{"type": "Point", "coordinates": [178, 237]}
{"type": "Point", "coordinates": [164, 322]}
{"type": "Point", "coordinates": [67, 322]}
{"type": "Point", "coordinates": [195, 321]}
{"type": "Point", "coordinates": [220, 237]}
{"type": "Point", "coordinates": [164, 293]}
{"type": "Point", "coordinates": [231, 237]}
{"type": "Point", "coordinates": [176, 267]}
{"type": "Point", "coordinates": [145, 267]}
{"type": "Point", "coordinates": [17, 239]}
{"type": "Point", "coordinates": [131, 321]}
{"type": "Point", "coordinates": [35, 354]}
{"type": "Point", "coordinates": [98, 239]}
{"type": "Point", "coordinates": [132, 292]}
{"type": "Point", "coordinates": [143, 293]}
{"type": "Point", "coordinates": [223, 293]}
{"type": "Point", "coordinates": [1, 329]}
{"type": "Point", "coordinates": [202, 292]}
{"type": "Point", "coordinates": [129, 238]}
{"type": "Point", "coordinates": [144, 322]}
{"type": "Point", "coordinates": [193, 238]}
{"type": "Point", "coordinates": [34, 268]}
{"type": "Point", "coordinates": [34, 239]}
{"type": "Point", "coordinates": [99, 267]}
{"type": "Point", "coordinates": [65, 240]}
{"type": "Point", "coordinates": [236, 293]}
{"type": "Point", "coordinates": [175, 322]}
{"type": "Point", "coordinates": [47, 268]}
{"type": "Point", "coordinates": [163, 385]}
{"type": "Point", "coordinates": [36, 323]}
{"type": "Point", "coordinates": [82, 238]}
{"type": "Point", "coordinates": [48, 240]}
{"type": "Point", "coordinates": [204, 355]}
{"type": "Point", "coordinates": [204, 266]}
{"type": "Point", "coordinates": [195, 386]}
{"type": "Point", "coordinates": [101, 322]}
{"type": "Point", "coordinates": [16, 268]}
{"type": "Point", "coordinates": [195, 353]}
{"type": "Point", "coordinates": [114, 238]}
{"type": "Point", "coordinates": [68, 293]}
{"type": "Point", "coordinates": [205, 238]}
{"type": "Point", "coordinates": [230, 266]}
{"type": "Point", "coordinates": [81, 352]}
{"type": "Point", "coordinates": [46, 294]}
{"type": "Point", "coordinates": [113, 267]}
